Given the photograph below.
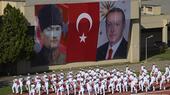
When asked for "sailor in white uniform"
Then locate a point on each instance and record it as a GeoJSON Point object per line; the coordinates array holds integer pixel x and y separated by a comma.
{"type": "Point", "coordinates": [46, 83]}
{"type": "Point", "coordinates": [162, 82]}
{"type": "Point", "coordinates": [152, 83]}
{"type": "Point", "coordinates": [20, 85]}
{"type": "Point", "coordinates": [89, 86]}
{"type": "Point", "coordinates": [125, 83]}
{"type": "Point", "coordinates": [111, 86]}
{"type": "Point", "coordinates": [15, 86]}
{"type": "Point", "coordinates": [133, 84]}
{"type": "Point", "coordinates": [28, 84]}
{"type": "Point", "coordinates": [119, 84]}
{"type": "Point", "coordinates": [146, 82]}
{"type": "Point", "coordinates": [81, 86]}
{"type": "Point", "coordinates": [96, 86]}
{"type": "Point", "coordinates": [67, 84]}
{"type": "Point", "coordinates": [102, 87]}
{"type": "Point", "coordinates": [38, 85]}
{"type": "Point", "coordinates": [141, 82]}
{"type": "Point", "coordinates": [159, 74]}
{"type": "Point", "coordinates": [74, 83]}
{"type": "Point", "coordinates": [32, 89]}
{"type": "Point", "coordinates": [61, 87]}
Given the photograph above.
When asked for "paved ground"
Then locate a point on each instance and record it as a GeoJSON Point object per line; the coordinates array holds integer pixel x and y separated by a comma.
{"type": "Point", "coordinates": [161, 92]}
{"type": "Point", "coordinates": [4, 81]}
{"type": "Point", "coordinates": [121, 66]}
{"type": "Point", "coordinates": [135, 66]}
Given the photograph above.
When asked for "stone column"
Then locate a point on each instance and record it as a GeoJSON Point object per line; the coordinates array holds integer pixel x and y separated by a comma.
{"type": "Point", "coordinates": [134, 41]}
{"type": "Point", "coordinates": [165, 31]}
{"type": "Point", "coordinates": [134, 45]}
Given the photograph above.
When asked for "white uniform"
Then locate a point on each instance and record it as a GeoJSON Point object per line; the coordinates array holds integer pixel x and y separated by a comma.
{"type": "Point", "coordinates": [15, 86]}
{"type": "Point", "coordinates": [89, 86]}
{"type": "Point", "coordinates": [82, 84]}
{"type": "Point", "coordinates": [166, 73]}
{"type": "Point", "coordinates": [46, 85]}
{"type": "Point", "coordinates": [61, 87]}
{"type": "Point", "coordinates": [38, 86]}
{"type": "Point", "coordinates": [162, 82]}
{"type": "Point", "coordinates": [21, 85]}
{"type": "Point", "coordinates": [145, 71]}
{"type": "Point", "coordinates": [102, 87]}
{"type": "Point", "coordinates": [67, 83]}
{"type": "Point", "coordinates": [111, 85]}
{"type": "Point", "coordinates": [127, 69]}
{"type": "Point", "coordinates": [32, 90]}
{"type": "Point", "coordinates": [74, 85]}
{"type": "Point", "coordinates": [152, 83]}
{"type": "Point", "coordinates": [96, 86]}
{"type": "Point", "coordinates": [133, 85]}
{"type": "Point", "coordinates": [54, 83]}
{"type": "Point", "coordinates": [155, 73]}
{"type": "Point", "coordinates": [125, 84]}
{"type": "Point", "coordinates": [158, 76]}
{"type": "Point", "coordinates": [142, 68]}
{"type": "Point", "coordinates": [115, 80]}
{"type": "Point", "coordinates": [168, 76]}
{"type": "Point", "coordinates": [119, 85]}
{"type": "Point", "coordinates": [28, 84]}
{"type": "Point", "coordinates": [153, 69]}
{"type": "Point", "coordinates": [141, 82]}
{"type": "Point", "coordinates": [156, 70]}
{"type": "Point", "coordinates": [146, 83]}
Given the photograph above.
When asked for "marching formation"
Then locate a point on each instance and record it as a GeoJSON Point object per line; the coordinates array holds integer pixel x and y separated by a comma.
{"type": "Point", "coordinates": [94, 81]}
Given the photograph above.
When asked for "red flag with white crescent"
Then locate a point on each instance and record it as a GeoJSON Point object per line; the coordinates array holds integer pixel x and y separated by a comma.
{"type": "Point", "coordinates": [83, 32]}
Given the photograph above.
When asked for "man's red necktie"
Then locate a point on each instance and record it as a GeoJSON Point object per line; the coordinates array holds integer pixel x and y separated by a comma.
{"type": "Point", "coordinates": [110, 53]}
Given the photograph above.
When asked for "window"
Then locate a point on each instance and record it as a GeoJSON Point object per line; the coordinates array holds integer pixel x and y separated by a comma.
{"type": "Point", "coordinates": [150, 9]}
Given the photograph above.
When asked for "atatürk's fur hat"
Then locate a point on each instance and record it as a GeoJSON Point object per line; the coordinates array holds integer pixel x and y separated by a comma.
{"type": "Point", "coordinates": [49, 15]}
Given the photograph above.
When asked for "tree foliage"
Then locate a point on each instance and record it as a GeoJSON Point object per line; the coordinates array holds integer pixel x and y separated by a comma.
{"type": "Point", "coordinates": [15, 44]}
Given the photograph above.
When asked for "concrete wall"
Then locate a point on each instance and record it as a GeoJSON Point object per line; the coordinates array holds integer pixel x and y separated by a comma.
{"type": "Point", "coordinates": [157, 10]}
{"type": "Point", "coordinates": [148, 21]}
{"type": "Point", "coordinates": [152, 10]}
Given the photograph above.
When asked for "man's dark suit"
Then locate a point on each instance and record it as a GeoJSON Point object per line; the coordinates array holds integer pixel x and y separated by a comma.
{"type": "Point", "coordinates": [120, 53]}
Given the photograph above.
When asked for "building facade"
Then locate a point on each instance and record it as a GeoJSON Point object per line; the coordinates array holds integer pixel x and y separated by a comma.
{"type": "Point", "coordinates": [151, 17]}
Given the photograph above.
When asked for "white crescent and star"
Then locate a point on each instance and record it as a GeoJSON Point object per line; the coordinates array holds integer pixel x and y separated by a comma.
{"type": "Point", "coordinates": [80, 17]}
{"type": "Point", "coordinates": [82, 38]}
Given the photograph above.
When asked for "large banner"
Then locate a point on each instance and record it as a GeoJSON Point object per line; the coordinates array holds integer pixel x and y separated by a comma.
{"type": "Point", "coordinates": [78, 32]}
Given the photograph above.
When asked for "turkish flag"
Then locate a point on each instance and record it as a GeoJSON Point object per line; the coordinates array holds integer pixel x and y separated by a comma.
{"type": "Point", "coordinates": [82, 32]}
